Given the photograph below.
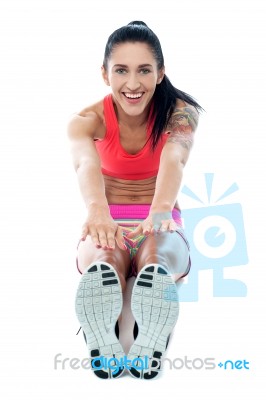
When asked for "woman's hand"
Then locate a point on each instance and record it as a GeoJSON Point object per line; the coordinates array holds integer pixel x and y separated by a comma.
{"type": "Point", "coordinates": [102, 229]}
{"type": "Point", "coordinates": [155, 223]}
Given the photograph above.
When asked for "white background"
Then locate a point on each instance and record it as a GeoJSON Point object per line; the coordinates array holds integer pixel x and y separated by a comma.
{"type": "Point", "coordinates": [51, 54]}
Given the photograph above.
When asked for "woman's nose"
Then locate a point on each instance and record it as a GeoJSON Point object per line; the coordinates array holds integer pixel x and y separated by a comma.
{"type": "Point", "coordinates": [133, 82]}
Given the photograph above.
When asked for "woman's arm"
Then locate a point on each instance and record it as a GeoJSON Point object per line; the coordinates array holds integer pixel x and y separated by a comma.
{"type": "Point", "coordinates": [99, 224]}
{"type": "Point", "coordinates": [86, 160]}
{"type": "Point", "coordinates": [182, 125]}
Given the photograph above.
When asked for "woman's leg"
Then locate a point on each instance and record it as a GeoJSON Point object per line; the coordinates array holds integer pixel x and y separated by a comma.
{"type": "Point", "coordinates": [119, 259]}
{"type": "Point", "coordinates": [170, 250]}
{"type": "Point", "coordinates": [161, 261]}
{"type": "Point", "coordinates": [99, 303]}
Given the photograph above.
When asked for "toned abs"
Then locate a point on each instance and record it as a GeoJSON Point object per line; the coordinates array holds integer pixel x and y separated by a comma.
{"type": "Point", "coordinates": [121, 191]}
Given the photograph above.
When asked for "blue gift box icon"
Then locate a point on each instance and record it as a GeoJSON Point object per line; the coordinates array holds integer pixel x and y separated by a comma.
{"type": "Point", "coordinates": [217, 240]}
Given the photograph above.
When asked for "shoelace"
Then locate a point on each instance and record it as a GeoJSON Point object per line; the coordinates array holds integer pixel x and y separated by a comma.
{"type": "Point", "coordinates": [116, 330]}
{"type": "Point", "coordinates": [78, 330]}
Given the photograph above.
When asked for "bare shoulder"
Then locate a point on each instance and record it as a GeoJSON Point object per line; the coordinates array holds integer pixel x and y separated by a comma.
{"type": "Point", "coordinates": [184, 115]}
{"type": "Point", "coordinates": [89, 122]}
{"type": "Point", "coordinates": [183, 124]}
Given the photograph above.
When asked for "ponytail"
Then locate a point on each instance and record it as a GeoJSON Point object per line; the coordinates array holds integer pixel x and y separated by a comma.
{"type": "Point", "coordinates": [164, 103]}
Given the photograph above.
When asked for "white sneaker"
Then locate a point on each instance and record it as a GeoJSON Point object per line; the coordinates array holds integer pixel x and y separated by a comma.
{"type": "Point", "coordinates": [155, 308]}
{"type": "Point", "coordinates": [99, 303]}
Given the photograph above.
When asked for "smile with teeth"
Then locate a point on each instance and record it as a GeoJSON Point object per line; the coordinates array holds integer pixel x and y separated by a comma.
{"type": "Point", "coordinates": [133, 95]}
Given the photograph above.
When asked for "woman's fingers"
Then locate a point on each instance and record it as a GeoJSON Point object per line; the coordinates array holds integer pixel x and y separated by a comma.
{"type": "Point", "coordinates": [172, 226]}
{"type": "Point", "coordinates": [164, 226]}
{"type": "Point", "coordinates": [105, 238]}
{"type": "Point", "coordinates": [120, 239]}
{"type": "Point", "coordinates": [147, 229]}
{"type": "Point", "coordinates": [84, 232]}
{"type": "Point", "coordinates": [95, 238]}
{"type": "Point", "coordinates": [101, 238]}
{"type": "Point", "coordinates": [137, 231]}
{"type": "Point", "coordinates": [110, 240]}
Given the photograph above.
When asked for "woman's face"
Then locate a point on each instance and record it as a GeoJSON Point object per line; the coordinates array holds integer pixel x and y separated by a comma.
{"type": "Point", "coordinates": [132, 74]}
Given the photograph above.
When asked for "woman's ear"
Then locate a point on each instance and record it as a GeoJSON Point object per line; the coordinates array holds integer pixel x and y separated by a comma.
{"type": "Point", "coordinates": [105, 76]}
{"type": "Point", "coordinates": [160, 75]}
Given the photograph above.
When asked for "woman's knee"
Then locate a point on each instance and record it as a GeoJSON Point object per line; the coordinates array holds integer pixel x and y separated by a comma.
{"type": "Point", "coordinates": [152, 258]}
{"type": "Point", "coordinates": [169, 250]}
{"type": "Point", "coordinates": [87, 256]}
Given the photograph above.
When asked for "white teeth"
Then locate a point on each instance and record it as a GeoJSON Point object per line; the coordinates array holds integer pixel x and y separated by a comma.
{"type": "Point", "coordinates": [133, 96]}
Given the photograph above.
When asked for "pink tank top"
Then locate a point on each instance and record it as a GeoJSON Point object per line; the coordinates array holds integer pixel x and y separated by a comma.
{"type": "Point", "coordinates": [116, 161]}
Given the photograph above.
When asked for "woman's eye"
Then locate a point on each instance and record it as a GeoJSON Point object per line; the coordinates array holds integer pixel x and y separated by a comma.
{"type": "Point", "coordinates": [121, 71]}
{"type": "Point", "coordinates": [145, 71]}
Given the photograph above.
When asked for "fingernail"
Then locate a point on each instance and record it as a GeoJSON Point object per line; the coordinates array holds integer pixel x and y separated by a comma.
{"type": "Point", "coordinates": [124, 245]}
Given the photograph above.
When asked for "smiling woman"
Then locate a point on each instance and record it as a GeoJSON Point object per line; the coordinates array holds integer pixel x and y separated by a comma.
{"type": "Point", "coordinates": [129, 150]}
{"type": "Point", "coordinates": [133, 82]}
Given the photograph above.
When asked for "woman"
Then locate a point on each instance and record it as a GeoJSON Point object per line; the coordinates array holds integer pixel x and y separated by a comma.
{"type": "Point", "coordinates": [129, 150]}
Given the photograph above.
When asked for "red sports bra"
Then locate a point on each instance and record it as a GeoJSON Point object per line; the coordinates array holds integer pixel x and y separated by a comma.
{"type": "Point", "coordinates": [115, 161]}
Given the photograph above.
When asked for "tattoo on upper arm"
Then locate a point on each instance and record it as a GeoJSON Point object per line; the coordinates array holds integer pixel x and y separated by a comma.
{"type": "Point", "coordinates": [182, 124]}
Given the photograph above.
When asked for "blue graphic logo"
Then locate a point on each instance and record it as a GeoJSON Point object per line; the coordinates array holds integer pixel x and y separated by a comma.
{"type": "Point", "coordinates": [230, 364]}
{"type": "Point", "coordinates": [217, 240]}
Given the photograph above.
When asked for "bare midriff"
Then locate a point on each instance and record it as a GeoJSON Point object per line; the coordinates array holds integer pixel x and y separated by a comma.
{"type": "Point", "coordinates": [121, 191]}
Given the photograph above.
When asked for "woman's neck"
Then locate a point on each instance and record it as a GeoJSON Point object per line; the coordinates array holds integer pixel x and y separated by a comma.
{"type": "Point", "coordinates": [131, 122]}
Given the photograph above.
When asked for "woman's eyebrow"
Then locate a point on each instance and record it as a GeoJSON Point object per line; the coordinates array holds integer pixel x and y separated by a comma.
{"type": "Point", "coordinates": [126, 66]}
{"type": "Point", "coordinates": [120, 65]}
{"type": "Point", "coordinates": [145, 65]}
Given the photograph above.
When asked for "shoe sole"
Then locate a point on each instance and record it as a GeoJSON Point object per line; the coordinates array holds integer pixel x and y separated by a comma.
{"type": "Point", "coordinates": [155, 307]}
{"type": "Point", "coordinates": [98, 305]}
